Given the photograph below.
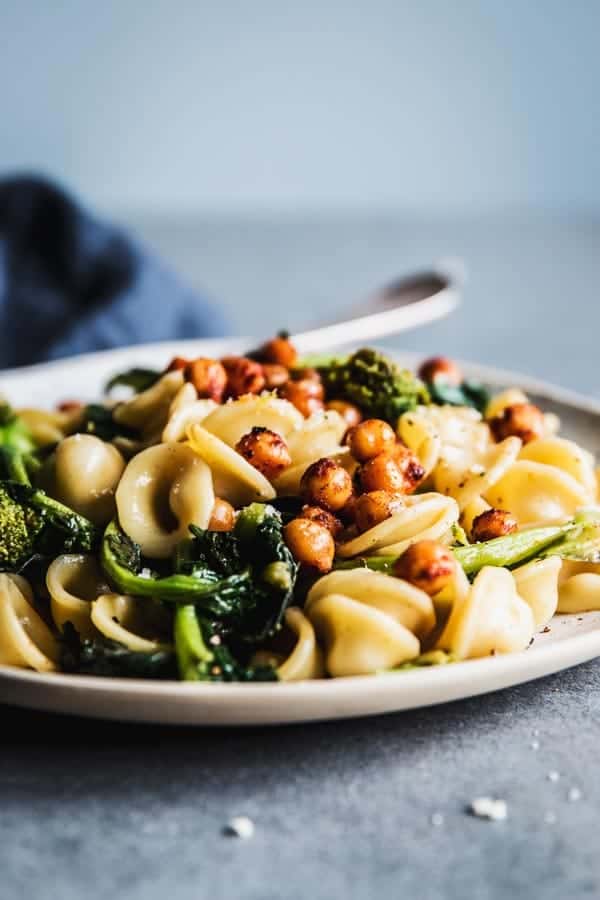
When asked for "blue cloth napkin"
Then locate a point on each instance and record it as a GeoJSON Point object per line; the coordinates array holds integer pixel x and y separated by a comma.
{"type": "Point", "coordinates": [70, 283]}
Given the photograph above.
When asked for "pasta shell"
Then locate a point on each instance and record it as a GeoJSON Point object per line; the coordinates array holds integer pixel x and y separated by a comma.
{"type": "Point", "coordinates": [536, 493]}
{"type": "Point", "coordinates": [73, 582]}
{"type": "Point", "coordinates": [425, 517]}
{"type": "Point", "coordinates": [148, 411]}
{"type": "Point", "coordinates": [125, 620]}
{"type": "Point", "coordinates": [84, 473]}
{"type": "Point", "coordinates": [537, 585]}
{"type": "Point", "coordinates": [164, 489]}
{"type": "Point", "coordinates": [567, 456]}
{"type": "Point", "coordinates": [420, 434]}
{"type": "Point", "coordinates": [25, 639]}
{"type": "Point", "coordinates": [492, 618]}
{"type": "Point", "coordinates": [235, 480]}
{"type": "Point", "coordinates": [306, 660]}
{"type": "Point", "coordinates": [236, 418]}
{"type": "Point", "coordinates": [185, 410]}
{"type": "Point", "coordinates": [398, 599]}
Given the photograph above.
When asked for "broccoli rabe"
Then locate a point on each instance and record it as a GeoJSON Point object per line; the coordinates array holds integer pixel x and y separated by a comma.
{"type": "Point", "coordinates": [203, 656]}
{"type": "Point", "coordinates": [14, 432]}
{"type": "Point", "coordinates": [32, 523]}
{"type": "Point", "coordinates": [373, 382]}
{"type": "Point", "coordinates": [244, 580]}
{"type": "Point", "coordinates": [137, 379]}
{"type": "Point", "coordinates": [101, 656]}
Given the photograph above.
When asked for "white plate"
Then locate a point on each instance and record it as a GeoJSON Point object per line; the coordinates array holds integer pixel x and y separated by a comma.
{"type": "Point", "coordinates": [571, 639]}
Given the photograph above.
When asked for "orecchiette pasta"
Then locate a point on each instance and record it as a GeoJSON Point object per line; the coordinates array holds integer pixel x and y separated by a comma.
{"type": "Point", "coordinates": [164, 489]}
{"type": "Point", "coordinates": [306, 659]}
{"type": "Point", "coordinates": [185, 410]}
{"type": "Point", "coordinates": [232, 420]}
{"type": "Point", "coordinates": [425, 517]}
{"type": "Point", "coordinates": [537, 585]}
{"type": "Point", "coordinates": [578, 587]}
{"type": "Point", "coordinates": [492, 618]}
{"type": "Point", "coordinates": [567, 456]}
{"type": "Point", "coordinates": [25, 639]}
{"type": "Point", "coordinates": [235, 480]}
{"type": "Point", "coordinates": [124, 619]}
{"type": "Point", "coordinates": [84, 473]}
{"type": "Point", "coordinates": [536, 493]}
{"type": "Point", "coordinates": [401, 601]}
{"type": "Point", "coordinates": [73, 582]}
{"type": "Point", "coordinates": [359, 639]}
{"type": "Point", "coordinates": [149, 410]}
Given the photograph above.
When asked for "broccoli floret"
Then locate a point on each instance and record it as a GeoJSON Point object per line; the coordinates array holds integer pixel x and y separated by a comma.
{"type": "Point", "coordinates": [19, 528]}
{"type": "Point", "coordinates": [374, 383]}
{"type": "Point", "coordinates": [33, 524]}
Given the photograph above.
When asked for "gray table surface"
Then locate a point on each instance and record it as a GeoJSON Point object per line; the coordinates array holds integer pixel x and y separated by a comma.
{"type": "Point", "coordinates": [342, 810]}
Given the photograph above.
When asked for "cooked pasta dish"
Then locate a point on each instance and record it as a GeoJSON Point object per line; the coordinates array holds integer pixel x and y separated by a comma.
{"type": "Point", "coordinates": [267, 517]}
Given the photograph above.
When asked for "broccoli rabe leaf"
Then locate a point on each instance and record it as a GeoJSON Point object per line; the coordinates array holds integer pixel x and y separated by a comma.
{"type": "Point", "coordinates": [375, 383]}
{"type": "Point", "coordinates": [137, 379]}
{"type": "Point", "coordinates": [103, 657]}
{"type": "Point", "coordinates": [99, 421]}
{"type": "Point", "coordinates": [469, 393]}
{"type": "Point", "coordinates": [202, 654]}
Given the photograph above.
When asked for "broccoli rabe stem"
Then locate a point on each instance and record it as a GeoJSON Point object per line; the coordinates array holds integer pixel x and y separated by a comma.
{"type": "Point", "coordinates": [193, 656]}
{"type": "Point", "coordinates": [507, 551]}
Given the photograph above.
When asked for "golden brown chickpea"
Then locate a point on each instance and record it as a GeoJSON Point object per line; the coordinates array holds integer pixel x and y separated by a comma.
{"type": "Point", "coordinates": [440, 368]}
{"type": "Point", "coordinates": [208, 377]}
{"type": "Point", "coordinates": [69, 405]}
{"type": "Point", "coordinates": [310, 544]}
{"type": "Point", "coordinates": [397, 471]}
{"type": "Point", "coordinates": [275, 376]}
{"type": "Point", "coordinates": [370, 438]}
{"type": "Point", "coordinates": [375, 507]}
{"type": "Point", "coordinates": [426, 564]}
{"type": "Point", "coordinates": [347, 513]}
{"type": "Point", "coordinates": [244, 376]}
{"type": "Point", "coordinates": [350, 413]}
{"type": "Point", "coordinates": [177, 363]}
{"type": "Point", "coordinates": [322, 517]}
{"type": "Point", "coordinates": [523, 420]}
{"type": "Point", "coordinates": [306, 395]}
{"type": "Point", "coordinates": [325, 483]}
{"type": "Point", "coordinates": [279, 350]}
{"type": "Point", "coordinates": [222, 516]}
{"type": "Point", "coordinates": [266, 451]}
{"type": "Point", "coordinates": [491, 524]}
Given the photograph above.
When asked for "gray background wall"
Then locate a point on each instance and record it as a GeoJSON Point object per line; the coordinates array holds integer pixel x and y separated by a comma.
{"type": "Point", "coordinates": [434, 107]}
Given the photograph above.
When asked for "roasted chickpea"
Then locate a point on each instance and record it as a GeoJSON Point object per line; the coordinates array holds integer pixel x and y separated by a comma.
{"type": "Point", "coordinates": [523, 420]}
{"type": "Point", "coordinates": [280, 351]}
{"type": "Point", "coordinates": [310, 544]}
{"type": "Point", "coordinates": [266, 451]}
{"type": "Point", "coordinates": [375, 507]}
{"type": "Point", "coordinates": [440, 368]}
{"type": "Point", "coordinates": [275, 376]}
{"type": "Point", "coordinates": [323, 517]}
{"type": "Point", "coordinates": [69, 406]}
{"type": "Point", "coordinates": [426, 564]}
{"type": "Point", "coordinates": [177, 363]}
{"type": "Point", "coordinates": [325, 483]}
{"type": "Point", "coordinates": [370, 438]}
{"type": "Point", "coordinates": [208, 377]}
{"type": "Point", "coordinates": [244, 376]}
{"type": "Point", "coordinates": [222, 516]}
{"type": "Point", "coordinates": [306, 395]}
{"type": "Point", "coordinates": [350, 413]}
{"type": "Point", "coordinates": [491, 524]}
{"type": "Point", "coordinates": [397, 471]}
